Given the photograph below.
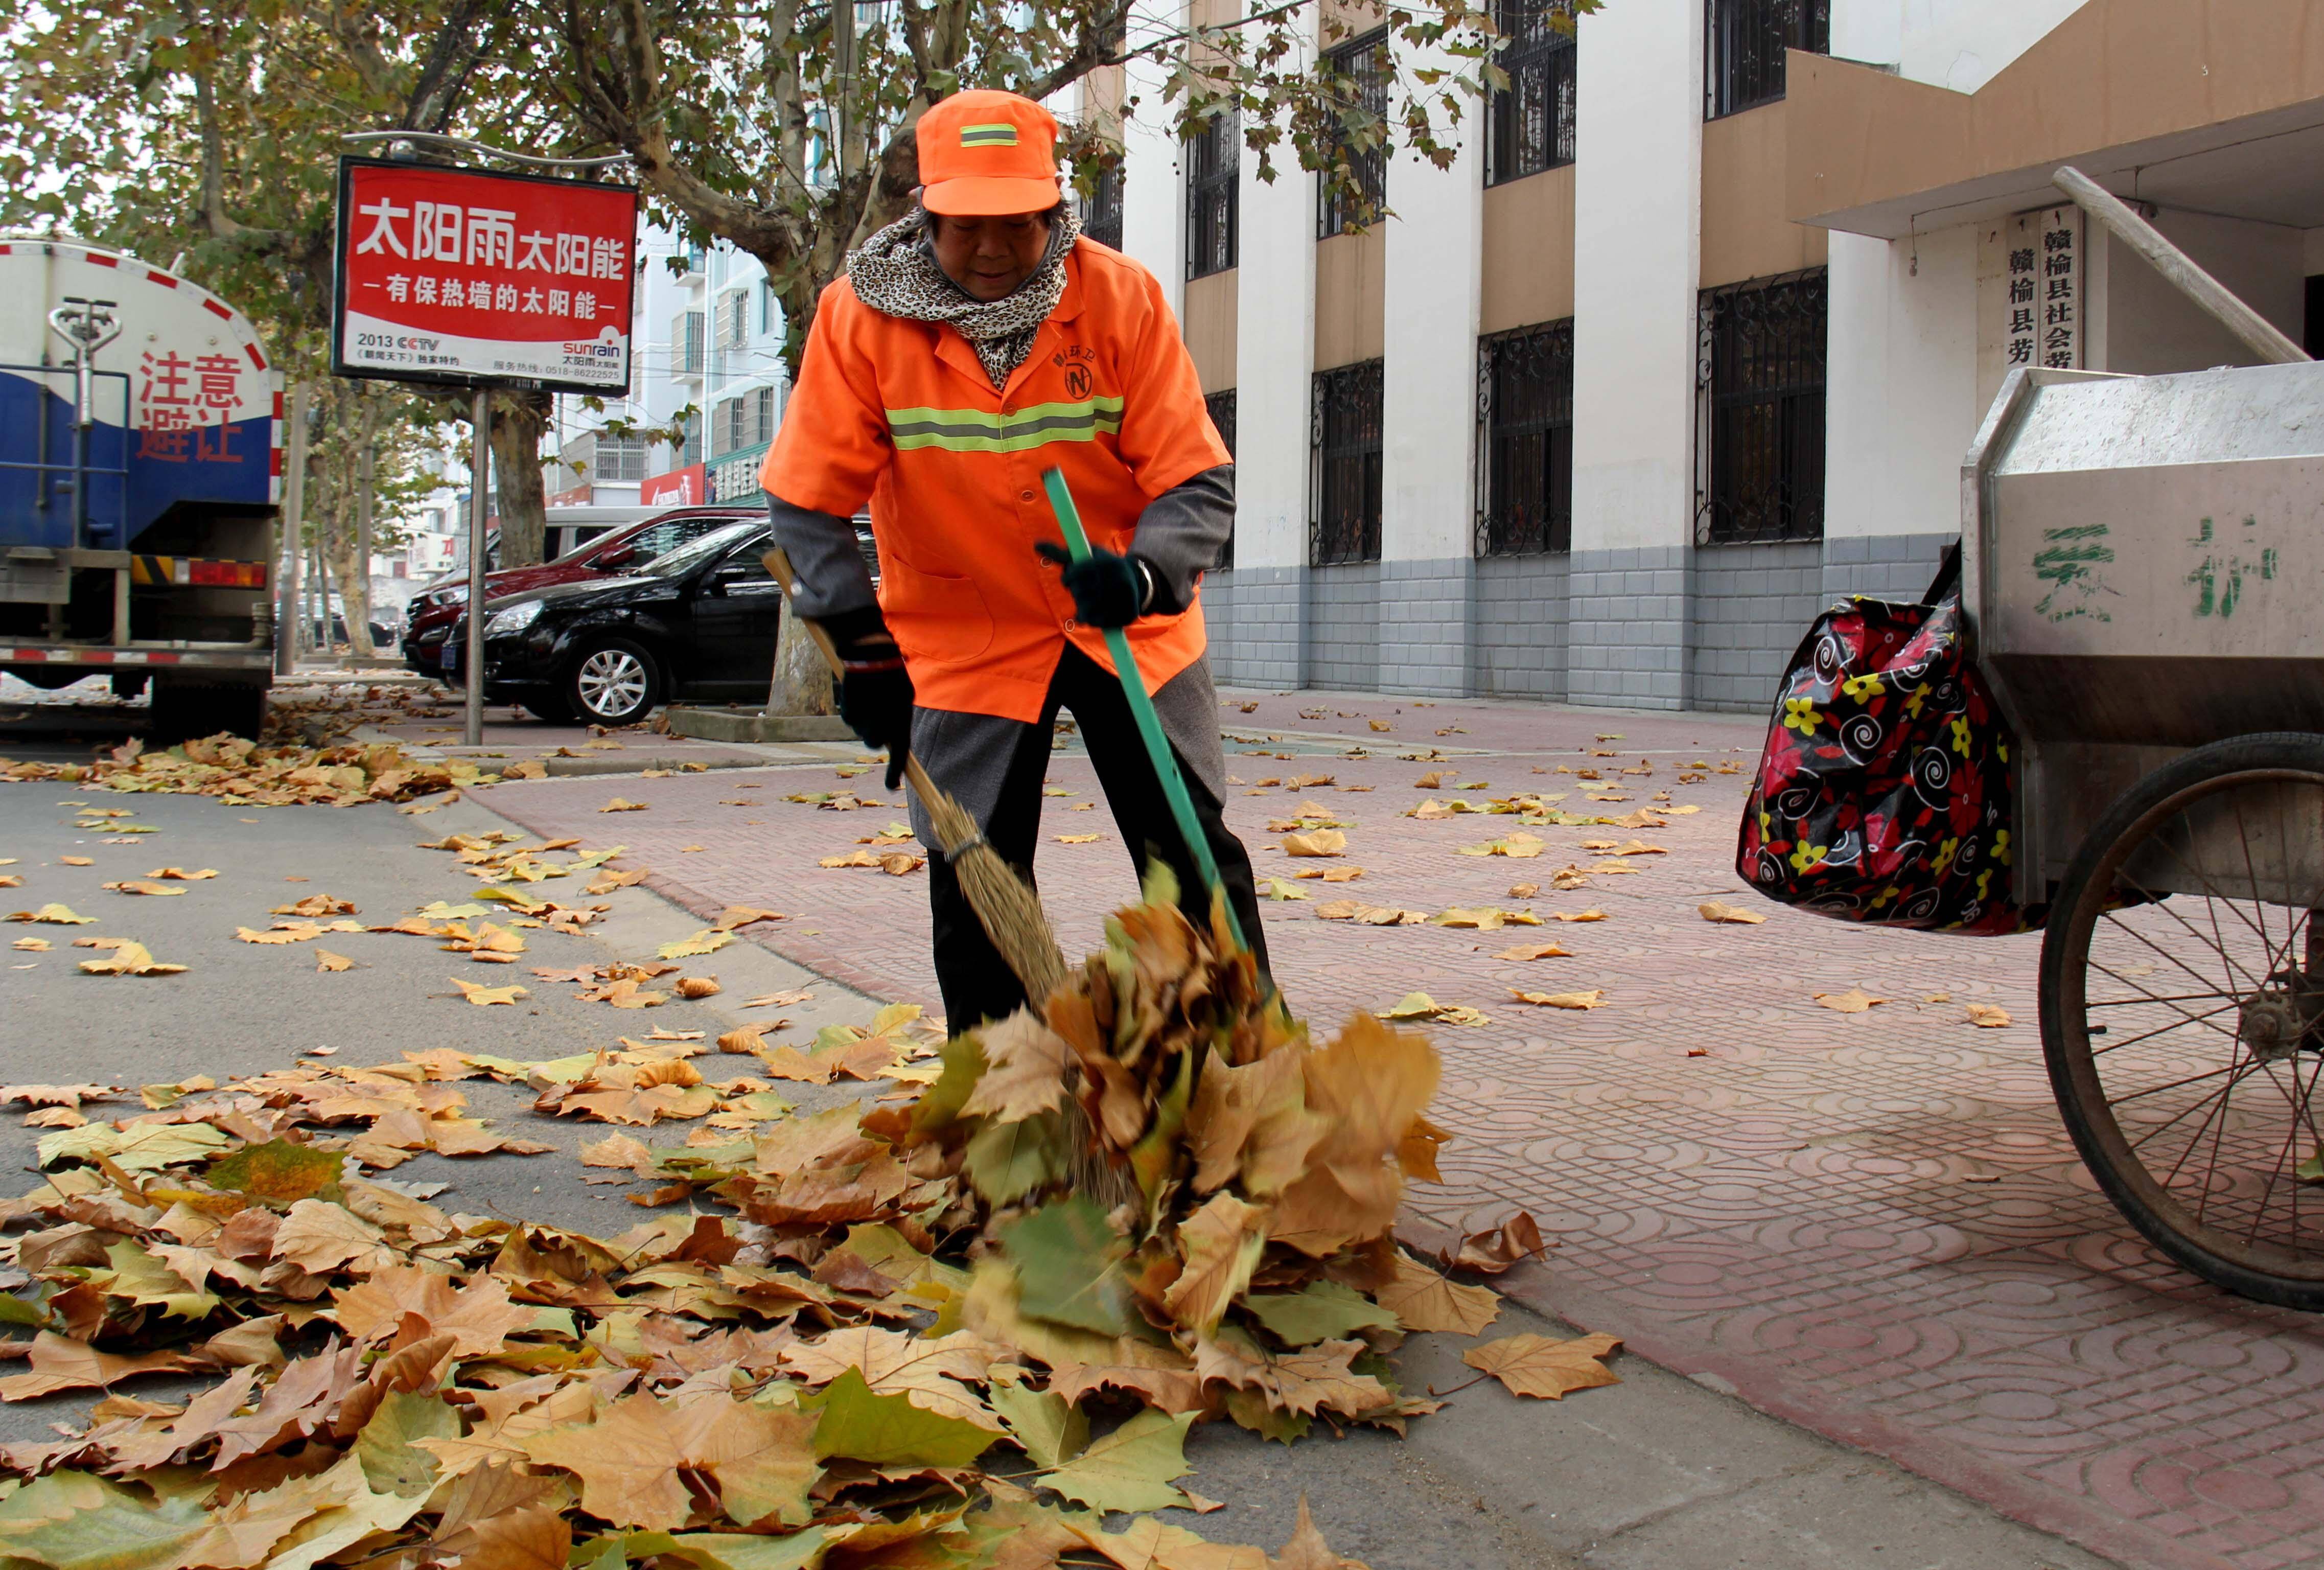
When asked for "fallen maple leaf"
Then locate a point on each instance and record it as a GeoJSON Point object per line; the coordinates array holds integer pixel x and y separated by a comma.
{"type": "Point", "coordinates": [481, 995]}
{"type": "Point", "coordinates": [126, 958]}
{"type": "Point", "coordinates": [1855, 1001]}
{"type": "Point", "coordinates": [1588, 1000]}
{"type": "Point", "coordinates": [1716, 910]}
{"type": "Point", "coordinates": [1987, 1017]}
{"type": "Point", "coordinates": [698, 986]}
{"type": "Point", "coordinates": [325, 960]}
{"type": "Point", "coordinates": [619, 804]}
{"type": "Point", "coordinates": [53, 914]}
{"type": "Point", "coordinates": [1539, 1366]}
{"type": "Point", "coordinates": [709, 940]}
{"type": "Point", "coordinates": [135, 886]}
{"type": "Point", "coordinates": [77, 861]}
{"type": "Point", "coordinates": [1535, 951]}
{"type": "Point", "coordinates": [736, 917]}
{"type": "Point", "coordinates": [1322, 841]}
{"type": "Point", "coordinates": [1424, 1299]}
{"type": "Point", "coordinates": [1079, 838]}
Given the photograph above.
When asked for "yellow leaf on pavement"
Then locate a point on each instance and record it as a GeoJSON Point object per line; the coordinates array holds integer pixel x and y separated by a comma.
{"type": "Point", "coordinates": [181, 872]}
{"type": "Point", "coordinates": [1987, 1017]}
{"type": "Point", "coordinates": [1541, 1366]}
{"type": "Point", "coordinates": [707, 941]}
{"type": "Point", "coordinates": [1024, 1073]}
{"type": "Point", "coordinates": [139, 886]}
{"type": "Point", "coordinates": [54, 915]}
{"type": "Point", "coordinates": [1855, 1001]}
{"type": "Point", "coordinates": [1717, 911]}
{"type": "Point", "coordinates": [126, 958]}
{"type": "Point", "coordinates": [326, 960]}
{"type": "Point", "coordinates": [1322, 842]}
{"type": "Point", "coordinates": [1588, 1000]}
{"type": "Point", "coordinates": [481, 995]}
{"type": "Point", "coordinates": [619, 804]}
{"type": "Point", "coordinates": [1535, 951]}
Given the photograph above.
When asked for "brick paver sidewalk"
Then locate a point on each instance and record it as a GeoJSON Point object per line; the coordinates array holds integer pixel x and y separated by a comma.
{"type": "Point", "coordinates": [1871, 1223]}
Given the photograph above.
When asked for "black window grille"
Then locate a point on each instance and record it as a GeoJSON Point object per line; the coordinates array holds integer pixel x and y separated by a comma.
{"type": "Point", "coordinates": [1760, 382]}
{"type": "Point", "coordinates": [1525, 390]}
{"type": "Point", "coordinates": [1214, 179]}
{"type": "Point", "coordinates": [1221, 408]}
{"type": "Point", "coordinates": [1744, 57]}
{"type": "Point", "coordinates": [1344, 440]}
{"type": "Point", "coordinates": [1359, 199]}
{"type": "Point", "coordinates": [1102, 209]}
{"type": "Point", "coordinates": [1529, 124]}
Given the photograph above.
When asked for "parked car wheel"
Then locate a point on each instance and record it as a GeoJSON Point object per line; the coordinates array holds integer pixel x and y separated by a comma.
{"type": "Point", "coordinates": [614, 683]}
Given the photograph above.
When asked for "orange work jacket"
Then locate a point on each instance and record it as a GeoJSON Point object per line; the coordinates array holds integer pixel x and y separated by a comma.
{"type": "Point", "coordinates": [902, 412]}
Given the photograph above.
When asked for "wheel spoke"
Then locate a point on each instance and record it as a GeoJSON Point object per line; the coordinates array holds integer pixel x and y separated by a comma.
{"type": "Point", "coordinates": [2156, 997]}
{"type": "Point", "coordinates": [2175, 1117]}
{"type": "Point", "coordinates": [2160, 1029]}
{"type": "Point", "coordinates": [2151, 997]}
{"type": "Point", "coordinates": [2162, 904]}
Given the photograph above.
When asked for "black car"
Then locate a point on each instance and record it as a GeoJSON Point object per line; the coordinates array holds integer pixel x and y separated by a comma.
{"type": "Point", "coordinates": [699, 622]}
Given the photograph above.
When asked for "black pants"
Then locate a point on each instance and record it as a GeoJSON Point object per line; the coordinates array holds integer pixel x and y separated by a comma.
{"type": "Point", "coordinates": [976, 983]}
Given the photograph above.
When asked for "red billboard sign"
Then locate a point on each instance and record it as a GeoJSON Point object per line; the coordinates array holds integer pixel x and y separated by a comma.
{"type": "Point", "coordinates": [685, 487]}
{"type": "Point", "coordinates": [458, 275]}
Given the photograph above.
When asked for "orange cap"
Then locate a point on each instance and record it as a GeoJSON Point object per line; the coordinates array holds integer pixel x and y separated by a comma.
{"type": "Point", "coordinates": [988, 154]}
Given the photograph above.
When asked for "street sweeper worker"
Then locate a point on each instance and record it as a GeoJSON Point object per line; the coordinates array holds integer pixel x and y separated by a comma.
{"type": "Point", "coordinates": [974, 345]}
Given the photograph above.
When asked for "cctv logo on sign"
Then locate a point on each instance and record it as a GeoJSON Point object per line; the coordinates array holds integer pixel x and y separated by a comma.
{"type": "Point", "coordinates": [460, 275]}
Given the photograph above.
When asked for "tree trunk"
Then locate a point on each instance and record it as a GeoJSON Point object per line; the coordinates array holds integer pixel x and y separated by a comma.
{"type": "Point", "coordinates": [356, 577]}
{"type": "Point", "coordinates": [519, 421]}
{"type": "Point", "coordinates": [802, 683]}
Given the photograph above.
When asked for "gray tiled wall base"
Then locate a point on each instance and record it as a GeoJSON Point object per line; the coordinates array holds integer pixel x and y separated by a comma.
{"type": "Point", "coordinates": [1519, 627]}
{"type": "Point", "coordinates": [1257, 619]}
{"type": "Point", "coordinates": [1626, 633]}
{"type": "Point", "coordinates": [1343, 627]}
{"type": "Point", "coordinates": [1427, 626]}
{"type": "Point", "coordinates": [1884, 567]}
{"type": "Point", "coordinates": [1752, 604]}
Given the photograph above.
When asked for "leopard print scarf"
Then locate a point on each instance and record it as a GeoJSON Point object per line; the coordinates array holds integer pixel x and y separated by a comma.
{"type": "Point", "coordinates": [896, 274]}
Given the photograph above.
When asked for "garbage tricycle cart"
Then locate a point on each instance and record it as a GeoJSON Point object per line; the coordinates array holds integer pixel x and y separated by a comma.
{"type": "Point", "coordinates": [2143, 565]}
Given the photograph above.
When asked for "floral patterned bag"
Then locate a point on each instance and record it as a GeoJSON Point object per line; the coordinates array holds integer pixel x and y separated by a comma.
{"type": "Point", "coordinates": [1884, 794]}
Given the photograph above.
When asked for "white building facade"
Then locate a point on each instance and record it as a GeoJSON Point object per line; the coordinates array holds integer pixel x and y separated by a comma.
{"type": "Point", "coordinates": [1692, 335]}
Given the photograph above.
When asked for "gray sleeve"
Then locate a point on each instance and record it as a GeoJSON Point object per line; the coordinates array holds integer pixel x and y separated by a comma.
{"type": "Point", "coordinates": [1180, 533]}
{"type": "Point", "coordinates": [829, 567]}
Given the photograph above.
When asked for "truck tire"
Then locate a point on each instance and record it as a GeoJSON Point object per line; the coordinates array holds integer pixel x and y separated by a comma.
{"type": "Point", "coordinates": [183, 711]}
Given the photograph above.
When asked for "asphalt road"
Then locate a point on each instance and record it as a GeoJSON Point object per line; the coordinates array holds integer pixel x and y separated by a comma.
{"type": "Point", "coordinates": [1654, 1472]}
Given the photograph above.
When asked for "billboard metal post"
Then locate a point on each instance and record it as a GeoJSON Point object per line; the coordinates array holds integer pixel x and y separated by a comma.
{"type": "Point", "coordinates": [287, 629]}
{"type": "Point", "coordinates": [480, 469]}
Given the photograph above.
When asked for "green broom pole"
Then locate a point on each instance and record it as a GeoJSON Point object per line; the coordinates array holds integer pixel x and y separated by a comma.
{"type": "Point", "coordinates": [1141, 708]}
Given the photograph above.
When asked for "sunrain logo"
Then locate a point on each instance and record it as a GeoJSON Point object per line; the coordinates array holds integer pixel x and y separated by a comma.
{"type": "Point", "coordinates": [593, 350]}
{"type": "Point", "coordinates": [988, 135]}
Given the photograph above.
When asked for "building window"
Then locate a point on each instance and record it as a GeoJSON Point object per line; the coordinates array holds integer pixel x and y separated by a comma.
{"type": "Point", "coordinates": [1760, 421]}
{"type": "Point", "coordinates": [1525, 390]}
{"type": "Point", "coordinates": [1214, 179]}
{"type": "Point", "coordinates": [762, 416]}
{"type": "Point", "coordinates": [1344, 439]}
{"type": "Point", "coordinates": [618, 460]}
{"type": "Point", "coordinates": [690, 445]}
{"type": "Point", "coordinates": [745, 420]}
{"type": "Point", "coordinates": [770, 308]}
{"type": "Point", "coordinates": [1364, 64]}
{"type": "Point", "coordinates": [1221, 409]}
{"type": "Point", "coordinates": [1744, 55]}
{"type": "Point", "coordinates": [686, 344]}
{"type": "Point", "coordinates": [1101, 209]}
{"type": "Point", "coordinates": [1529, 124]}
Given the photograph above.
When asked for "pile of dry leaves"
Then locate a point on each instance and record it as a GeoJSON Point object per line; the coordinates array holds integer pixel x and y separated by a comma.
{"type": "Point", "coordinates": [952, 1331]}
{"type": "Point", "coordinates": [239, 770]}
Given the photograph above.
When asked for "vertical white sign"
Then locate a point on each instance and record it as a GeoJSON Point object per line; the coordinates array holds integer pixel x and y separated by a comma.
{"type": "Point", "coordinates": [2041, 299]}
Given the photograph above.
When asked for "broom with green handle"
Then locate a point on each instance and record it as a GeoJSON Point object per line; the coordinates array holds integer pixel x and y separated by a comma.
{"type": "Point", "coordinates": [1010, 913]}
{"type": "Point", "coordinates": [1150, 724]}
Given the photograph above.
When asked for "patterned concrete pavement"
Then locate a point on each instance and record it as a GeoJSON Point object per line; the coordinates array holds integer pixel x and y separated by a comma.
{"type": "Point", "coordinates": [1871, 1224]}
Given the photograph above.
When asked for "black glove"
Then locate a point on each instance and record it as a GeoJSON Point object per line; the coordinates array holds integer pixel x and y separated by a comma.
{"type": "Point", "coordinates": [875, 690]}
{"type": "Point", "coordinates": [1108, 590]}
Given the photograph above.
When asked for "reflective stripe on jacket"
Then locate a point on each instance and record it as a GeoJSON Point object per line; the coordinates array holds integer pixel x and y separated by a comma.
{"type": "Point", "coordinates": [902, 412]}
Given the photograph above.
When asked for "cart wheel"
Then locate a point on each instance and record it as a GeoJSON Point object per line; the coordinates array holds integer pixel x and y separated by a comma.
{"type": "Point", "coordinates": [2182, 1011]}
